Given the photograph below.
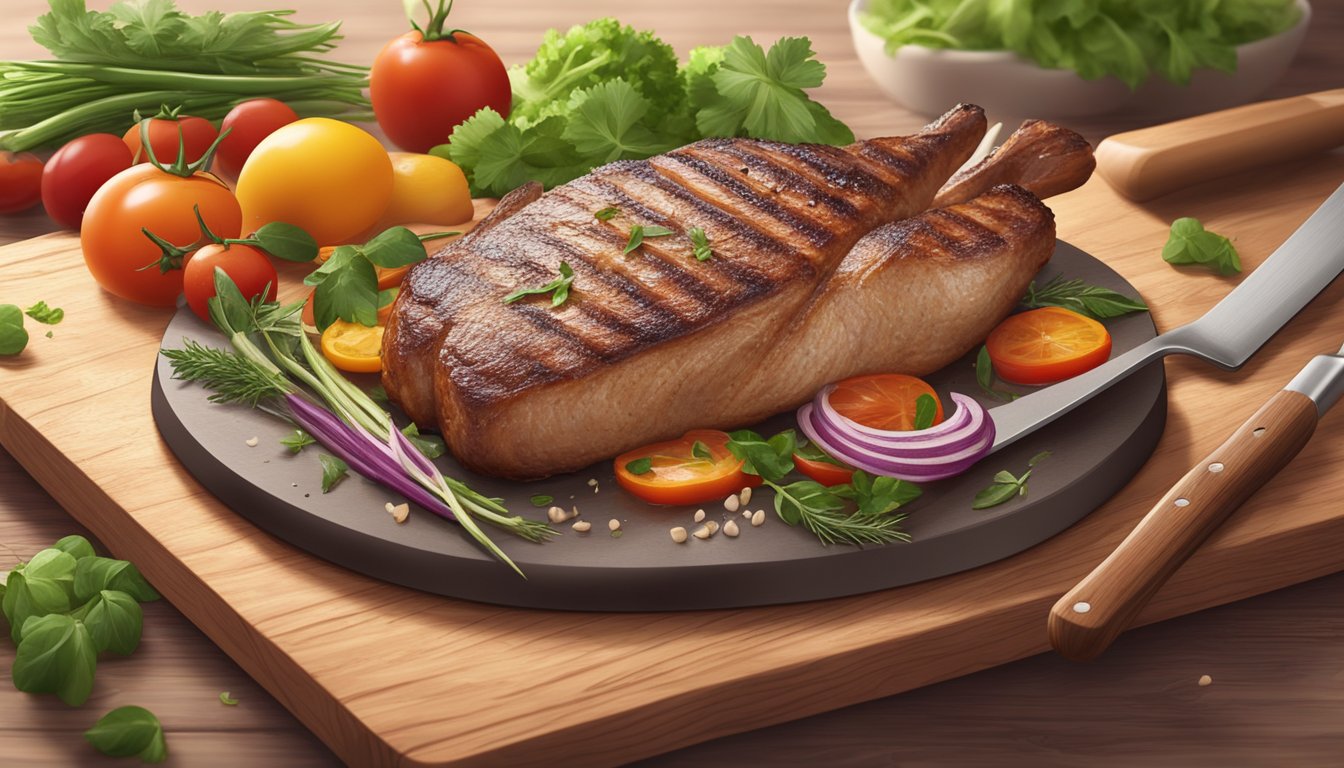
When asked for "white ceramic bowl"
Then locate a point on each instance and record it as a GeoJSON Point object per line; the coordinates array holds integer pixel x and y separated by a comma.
{"type": "Point", "coordinates": [1008, 86]}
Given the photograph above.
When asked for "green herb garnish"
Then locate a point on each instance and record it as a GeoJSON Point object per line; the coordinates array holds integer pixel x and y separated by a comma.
{"type": "Point", "coordinates": [56, 655]}
{"type": "Point", "coordinates": [700, 244]}
{"type": "Point", "coordinates": [1190, 243]}
{"type": "Point", "coordinates": [984, 376]}
{"type": "Point", "coordinates": [129, 732]}
{"type": "Point", "coordinates": [813, 452]}
{"type": "Point", "coordinates": [640, 231]}
{"type": "Point", "coordinates": [639, 466]}
{"type": "Point", "coordinates": [13, 338]}
{"type": "Point", "coordinates": [607, 214]}
{"type": "Point", "coordinates": [227, 700]}
{"type": "Point", "coordinates": [297, 440]}
{"type": "Point", "coordinates": [558, 288]}
{"type": "Point", "coordinates": [926, 410]}
{"type": "Point", "coordinates": [1006, 485]}
{"type": "Point", "coordinates": [333, 471]}
{"type": "Point", "coordinates": [1090, 300]}
{"type": "Point", "coordinates": [542, 500]}
{"type": "Point", "coordinates": [701, 451]}
{"type": "Point", "coordinates": [346, 285]}
{"type": "Point", "coordinates": [44, 314]}
{"type": "Point", "coordinates": [431, 446]}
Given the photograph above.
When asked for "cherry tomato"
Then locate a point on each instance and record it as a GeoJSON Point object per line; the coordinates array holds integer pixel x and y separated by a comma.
{"type": "Point", "coordinates": [353, 347]}
{"type": "Point", "coordinates": [325, 176]}
{"type": "Point", "coordinates": [883, 401]}
{"type": "Point", "coordinates": [197, 134]}
{"type": "Point", "coordinates": [422, 89]}
{"type": "Point", "coordinates": [248, 267]}
{"type": "Point", "coordinates": [1042, 346]}
{"type": "Point", "coordinates": [247, 124]}
{"type": "Point", "coordinates": [677, 476]}
{"type": "Point", "coordinates": [20, 182]}
{"type": "Point", "coordinates": [823, 472]}
{"type": "Point", "coordinates": [76, 171]}
{"type": "Point", "coordinates": [427, 190]}
{"type": "Point", "coordinates": [143, 196]}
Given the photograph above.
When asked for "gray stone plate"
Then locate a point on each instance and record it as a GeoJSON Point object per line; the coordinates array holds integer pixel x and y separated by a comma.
{"type": "Point", "coordinates": [1095, 451]}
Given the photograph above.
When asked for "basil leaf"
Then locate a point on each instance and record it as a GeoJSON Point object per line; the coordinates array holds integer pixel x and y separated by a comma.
{"type": "Point", "coordinates": [881, 495]}
{"type": "Point", "coordinates": [395, 247]}
{"type": "Point", "coordinates": [431, 446]}
{"type": "Point", "coordinates": [760, 457]}
{"type": "Point", "coordinates": [229, 309]}
{"type": "Point", "coordinates": [347, 289]}
{"type": "Point", "coordinates": [54, 565]}
{"type": "Point", "coordinates": [127, 732]}
{"type": "Point", "coordinates": [639, 466]}
{"type": "Point", "coordinates": [607, 214]}
{"type": "Point", "coordinates": [813, 452]}
{"type": "Point", "coordinates": [994, 495]}
{"type": "Point", "coordinates": [333, 471]}
{"type": "Point", "coordinates": [636, 239]}
{"type": "Point", "coordinates": [653, 230]}
{"type": "Point", "coordinates": [1004, 476]}
{"type": "Point", "coordinates": [56, 655]}
{"type": "Point", "coordinates": [926, 410]}
{"type": "Point", "coordinates": [558, 288]}
{"type": "Point", "coordinates": [1190, 243]}
{"type": "Point", "coordinates": [44, 314]}
{"type": "Point", "coordinates": [700, 244]}
{"type": "Point", "coordinates": [542, 500]}
{"type": "Point", "coordinates": [984, 376]}
{"type": "Point", "coordinates": [13, 338]}
{"type": "Point", "coordinates": [114, 620]}
{"type": "Point", "coordinates": [286, 242]}
{"type": "Point", "coordinates": [94, 574]}
{"type": "Point", "coordinates": [297, 440]}
{"type": "Point", "coordinates": [76, 546]}
{"type": "Point", "coordinates": [27, 597]}
{"type": "Point", "coordinates": [701, 451]}
{"type": "Point", "coordinates": [797, 499]}
{"type": "Point", "coordinates": [1090, 300]}
{"type": "Point", "coordinates": [1038, 458]}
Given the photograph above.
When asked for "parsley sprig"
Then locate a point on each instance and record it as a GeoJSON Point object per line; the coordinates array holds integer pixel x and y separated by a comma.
{"type": "Point", "coordinates": [820, 509]}
{"type": "Point", "coordinates": [1006, 485]}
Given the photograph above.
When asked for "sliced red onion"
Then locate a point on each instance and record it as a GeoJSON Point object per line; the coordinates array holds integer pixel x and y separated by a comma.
{"type": "Point", "coordinates": [936, 453]}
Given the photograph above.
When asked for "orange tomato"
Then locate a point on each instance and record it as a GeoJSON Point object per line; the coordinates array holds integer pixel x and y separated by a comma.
{"type": "Point", "coordinates": [353, 347]}
{"type": "Point", "coordinates": [883, 400]}
{"type": "Point", "coordinates": [677, 476]}
{"type": "Point", "coordinates": [1042, 346]}
{"type": "Point", "coordinates": [823, 472]}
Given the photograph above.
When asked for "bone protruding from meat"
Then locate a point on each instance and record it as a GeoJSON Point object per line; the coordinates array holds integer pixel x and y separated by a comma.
{"type": "Point", "coordinates": [1043, 158]}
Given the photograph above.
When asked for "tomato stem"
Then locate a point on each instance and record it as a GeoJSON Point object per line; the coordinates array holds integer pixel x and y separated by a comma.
{"type": "Point", "coordinates": [171, 256]}
{"type": "Point", "coordinates": [180, 167]}
{"type": "Point", "coordinates": [433, 29]}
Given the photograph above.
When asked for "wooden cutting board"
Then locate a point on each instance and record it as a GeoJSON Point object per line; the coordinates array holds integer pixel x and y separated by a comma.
{"type": "Point", "coordinates": [387, 675]}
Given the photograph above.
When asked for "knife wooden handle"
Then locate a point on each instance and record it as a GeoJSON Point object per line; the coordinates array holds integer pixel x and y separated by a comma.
{"type": "Point", "coordinates": [1087, 619]}
{"type": "Point", "coordinates": [1148, 162]}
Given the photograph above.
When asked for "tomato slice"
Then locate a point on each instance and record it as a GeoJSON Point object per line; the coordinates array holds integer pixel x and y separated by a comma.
{"type": "Point", "coordinates": [1042, 346]}
{"type": "Point", "coordinates": [883, 401]}
{"type": "Point", "coordinates": [823, 472]}
{"type": "Point", "coordinates": [353, 347]}
{"type": "Point", "coordinates": [677, 476]}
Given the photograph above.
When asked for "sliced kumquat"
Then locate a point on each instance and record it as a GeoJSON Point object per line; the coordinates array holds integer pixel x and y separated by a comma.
{"type": "Point", "coordinates": [883, 401]}
{"type": "Point", "coordinates": [1042, 346]}
{"type": "Point", "coordinates": [353, 347]}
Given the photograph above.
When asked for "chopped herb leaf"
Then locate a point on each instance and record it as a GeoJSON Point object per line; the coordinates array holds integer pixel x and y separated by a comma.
{"type": "Point", "coordinates": [701, 451]}
{"type": "Point", "coordinates": [431, 446]}
{"type": "Point", "coordinates": [1090, 300]}
{"type": "Point", "coordinates": [44, 314]}
{"type": "Point", "coordinates": [813, 452]}
{"type": "Point", "coordinates": [542, 500]}
{"type": "Point", "coordinates": [607, 214]}
{"type": "Point", "coordinates": [1006, 485]}
{"type": "Point", "coordinates": [333, 471]}
{"type": "Point", "coordinates": [297, 440]}
{"type": "Point", "coordinates": [926, 410]}
{"type": "Point", "coordinates": [700, 244]}
{"type": "Point", "coordinates": [558, 288]}
{"type": "Point", "coordinates": [227, 700]}
{"type": "Point", "coordinates": [618, 533]}
{"type": "Point", "coordinates": [639, 466]}
{"type": "Point", "coordinates": [1190, 243]}
{"type": "Point", "coordinates": [638, 232]}
{"type": "Point", "coordinates": [378, 394]}
{"type": "Point", "coordinates": [984, 376]}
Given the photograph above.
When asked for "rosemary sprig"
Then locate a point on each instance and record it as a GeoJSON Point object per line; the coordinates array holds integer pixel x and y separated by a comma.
{"type": "Point", "coordinates": [1091, 300]}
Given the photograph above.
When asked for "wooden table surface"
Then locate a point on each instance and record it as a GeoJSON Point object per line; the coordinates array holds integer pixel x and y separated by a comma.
{"type": "Point", "coordinates": [1275, 660]}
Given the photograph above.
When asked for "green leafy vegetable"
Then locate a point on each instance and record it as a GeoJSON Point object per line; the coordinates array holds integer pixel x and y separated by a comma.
{"type": "Point", "coordinates": [347, 282]}
{"type": "Point", "coordinates": [557, 288]}
{"type": "Point", "coordinates": [1006, 485]}
{"type": "Point", "coordinates": [640, 231]}
{"type": "Point", "coordinates": [76, 546]}
{"type": "Point", "coordinates": [114, 621]}
{"type": "Point", "coordinates": [28, 596]}
{"type": "Point", "coordinates": [333, 471]}
{"type": "Point", "coordinates": [13, 338]}
{"type": "Point", "coordinates": [639, 466]}
{"type": "Point", "coordinates": [44, 314]}
{"type": "Point", "coordinates": [984, 376]}
{"type": "Point", "coordinates": [812, 452]}
{"type": "Point", "coordinates": [542, 500]}
{"type": "Point", "coordinates": [1190, 243]}
{"type": "Point", "coordinates": [227, 700]}
{"type": "Point", "coordinates": [1127, 39]}
{"type": "Point", "coordinates": [926, 410]}
{"type": "Point", "coordinates": [56, 655]}
{"type": "Point", "coordinates": [297, 440]}
{"type": "Point", "coordinates": [129, 732]}
{"type": "Point", "coordinates": [283, 241]}
{"type": "Point", "coordinates": [1090, 300]}
{"type": "Point", "coordinates": [432, 446]}
{"type": "Point", "coordinates": [700, 244]}
{"type": "Point", "coordinates": [95, 574]}
{"type": "Point", "coordinates": [607, 214]}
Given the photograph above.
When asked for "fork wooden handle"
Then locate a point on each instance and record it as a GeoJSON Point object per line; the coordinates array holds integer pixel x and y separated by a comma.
{"type": "Point", "coordinates": [1087, 619]}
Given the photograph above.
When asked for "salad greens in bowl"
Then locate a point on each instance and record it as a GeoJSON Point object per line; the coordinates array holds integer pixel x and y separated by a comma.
{"type": "Point", "coordinates": [1074, 58]}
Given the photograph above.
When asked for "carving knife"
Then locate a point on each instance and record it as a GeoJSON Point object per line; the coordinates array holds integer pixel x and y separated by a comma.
{"type": "Point", "coordinates": [1086, 620]}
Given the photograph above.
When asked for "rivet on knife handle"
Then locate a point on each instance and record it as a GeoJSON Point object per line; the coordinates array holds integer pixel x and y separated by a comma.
{"type": "Point", "coordinates": [1087, 619]}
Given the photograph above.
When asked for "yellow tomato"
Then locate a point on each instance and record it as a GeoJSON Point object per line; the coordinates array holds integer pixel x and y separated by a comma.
{"type": "Point", "coordinates": [328, 177]}
{"type": "Point", "coordinates": [427, 189]}
{"type": "Point", "coordinates": [353, 347]}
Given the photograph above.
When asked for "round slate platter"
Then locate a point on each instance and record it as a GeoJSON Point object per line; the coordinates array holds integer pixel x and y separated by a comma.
{"type": "Point", "coordinates": [1094, 452]}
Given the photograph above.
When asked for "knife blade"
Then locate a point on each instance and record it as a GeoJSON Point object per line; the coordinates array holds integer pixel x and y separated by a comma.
{"type": "Point", "coordinates": [1090, 616]}
{"type": "Point", "coordinates": [1227, 335]}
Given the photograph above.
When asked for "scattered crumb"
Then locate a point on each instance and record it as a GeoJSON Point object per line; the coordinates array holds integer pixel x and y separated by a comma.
{"type": "Point", "coordinates": [400, 512]}
{"type": "Point", "coordinates": [388, 507]}
{"type": "Point", "coordinates": [613, 524]}
{"type": "Point", "coordinates": [582, 526]}
{"type": "Point", "coordinates": [678, 534]}
{"type": "Point", "coordinates": [1204, 680]}
{"type": "Point", "coordinates": [252, 442]}
{"type": "Point", "coordinates": [699, 515]}
{"type": "Point", "coordinates": [758, 518]}
{"type": "Point", "coordinates": [732, 503]}
{"type": "Point", "coordinates": [730, 529]}
{"type": "Point", "coordinates": [745, 496]}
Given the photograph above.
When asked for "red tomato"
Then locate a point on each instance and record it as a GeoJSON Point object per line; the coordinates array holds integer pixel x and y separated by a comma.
{"type": "Point", "coordinates": [883, 401]}
{"type": "Point", "coordinates": [20, 182]}
{"type": "Point", "coordinates": [677, 476]}
{"type": "Point", "coordinates": [823, 472]}
{"type": "Point", "coordinates": [1042, 346]}
{"type": "Point", "coordinates": [247, 124]}
{"type": "Point", "coordinates": [421, 89]}
{"type": "Point", "coordinates": [248, 267]}
{"type": "Point", "coordinates": [143, 196]}
{"type": "Point", "coordinates": [76, 171]}
{"type": "Point", "coordinates": [196, 132]}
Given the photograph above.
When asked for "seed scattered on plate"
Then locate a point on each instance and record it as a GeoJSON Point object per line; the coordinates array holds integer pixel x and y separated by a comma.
{"type": "Point", "coordinates": [252, 442]}
{"type": "Point", "coordinates": [400, 512]}
{"type": "Point", "coordinates": [559, 515]}
{"type": "Point", "coordinates": [678, 534]}
{"type": "Point", "coordinates": [702, 532]}
{"type": "Point", "coordinates": [699, 515]}
{"type": "Point", "coordinates": [730, 529]}
{"type": "Point", "coordinates": [745, 496]}
{"type": "Point", "coordinates": [388, 506]}
{"type": "Point", "coordinates": [1204, 680]}
{"type": "Point", "coordinates": [613, 524]}
{"type": "Point", "coordinates": [746, 513]}
{"type": "Point", "coordinates": [592, 483]}
{"type": "Point", "coordinates": [758, 519]}
{"type": "Point", "coordinates": [732, 503]}
{"type": "Point", "coordinates": [582, 526]}
{"type": "Point", "coordinates": [713, 527]}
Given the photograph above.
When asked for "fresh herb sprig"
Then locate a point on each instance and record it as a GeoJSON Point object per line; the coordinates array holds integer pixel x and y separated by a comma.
{"type": "Point", "coordinates": [821, 509]}
{"type": "Point", "coordinates": [1190, 243]}
{"type": "Point", "coordinates": [1093, 301]}
{"type": "Point", "coordinates": [639, 232]}
{"type": "Point", "coordinates": [346, 285]}
{"type": "Point", "coordinates": [13, 336]}
{"type": "Point", "coordinates": [984, 376]}
{"type": "Point", "coordinates": [1006, 485]}
{"type": "Point", "coordinates": [45, 314]}
{"type": "Point", "coordinates": [557, 288]}
{"type": "Point", "coordinates": [700, 244]}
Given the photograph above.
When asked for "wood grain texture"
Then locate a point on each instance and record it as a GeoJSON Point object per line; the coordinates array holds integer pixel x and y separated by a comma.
{"type": "Point", "coordinates": [600, 662]}
{"type": "Point", "coordinates": [1091, 615]}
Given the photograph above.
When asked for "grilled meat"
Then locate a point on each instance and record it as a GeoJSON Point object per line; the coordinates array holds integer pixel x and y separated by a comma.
{"type": "Point", "coordinates": [1043, 158]}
